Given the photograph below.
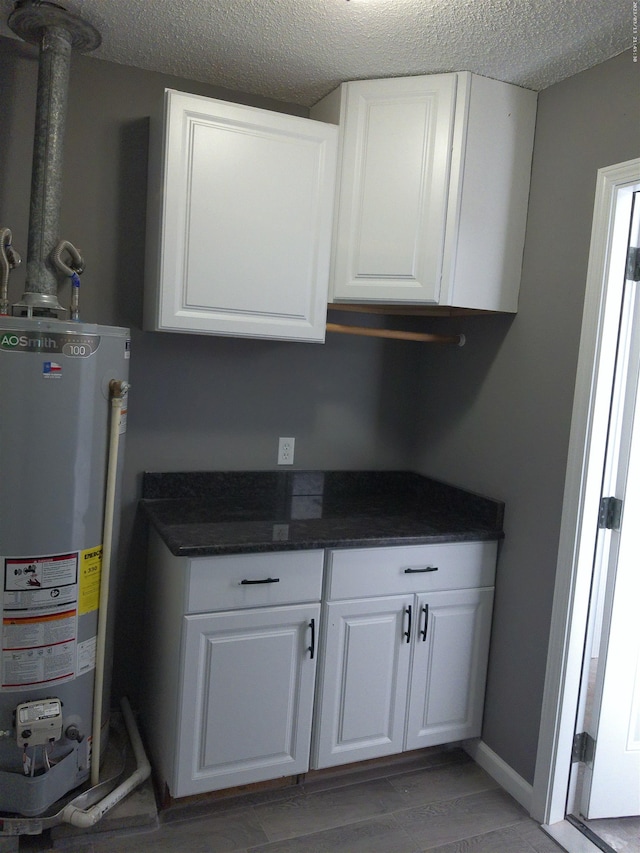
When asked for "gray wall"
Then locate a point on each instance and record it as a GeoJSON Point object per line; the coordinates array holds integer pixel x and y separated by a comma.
{"type": "Point", "coordinates": [196, 402]}
{"type": "Point", "coordinates": [497, 419]}
{"type": "Point", "coordinates": [493, 416]}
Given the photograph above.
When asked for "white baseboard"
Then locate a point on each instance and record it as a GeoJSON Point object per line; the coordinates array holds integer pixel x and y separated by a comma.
{"type": "Point", "coordinates": [499, 770]}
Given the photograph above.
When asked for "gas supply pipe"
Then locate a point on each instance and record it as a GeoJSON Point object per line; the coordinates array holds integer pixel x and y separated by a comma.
{"type": "Point", "coordinates": [117, 391]}
{"type": "Point", "coordinates": [9, 260]}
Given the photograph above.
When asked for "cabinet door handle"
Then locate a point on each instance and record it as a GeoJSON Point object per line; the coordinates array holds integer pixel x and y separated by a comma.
{"type": "Point", "coordinates": [421, 570]}
{"type": "Point", "coordinates": [262, 580]}
{"type": "Point", "coordinates": [423, 633]}
{"type": "Point", "coordinates": [312, 647]}
{"type": "Point", "coordinates": [407, 633]}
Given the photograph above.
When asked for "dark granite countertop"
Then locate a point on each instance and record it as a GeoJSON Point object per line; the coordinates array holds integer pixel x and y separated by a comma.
{"type": "Point", "coordinates": [235, 512]}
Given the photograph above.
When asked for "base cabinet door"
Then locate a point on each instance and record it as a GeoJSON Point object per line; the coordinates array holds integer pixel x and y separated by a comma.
{"type": "Point", "coordinates": [363, 688]}
{"type": "Point", "coordinates": [247, 697]}
{"type": "Point", "coordinates": [446, 691]}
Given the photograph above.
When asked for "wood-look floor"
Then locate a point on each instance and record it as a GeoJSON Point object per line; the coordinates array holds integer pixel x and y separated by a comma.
{"type": "Point", "coordinates": [448, 806]}
{"type": "Point", "coordinates": [622, 834]}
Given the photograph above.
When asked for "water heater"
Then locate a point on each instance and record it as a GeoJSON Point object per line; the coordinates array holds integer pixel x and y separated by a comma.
{"type": "Point", "coordinates": [55, 428]}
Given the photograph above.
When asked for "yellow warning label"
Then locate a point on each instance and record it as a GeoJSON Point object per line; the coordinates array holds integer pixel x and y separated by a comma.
{"type": "Point", "coordinates": [90, 572]}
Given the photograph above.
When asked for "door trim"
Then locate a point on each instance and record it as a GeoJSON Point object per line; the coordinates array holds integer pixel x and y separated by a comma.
{"type": "Point", "coordinates": [587, 445]}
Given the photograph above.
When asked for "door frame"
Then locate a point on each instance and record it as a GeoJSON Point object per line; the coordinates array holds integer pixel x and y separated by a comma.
{"type": "Point", "coordinates": [587, 447]}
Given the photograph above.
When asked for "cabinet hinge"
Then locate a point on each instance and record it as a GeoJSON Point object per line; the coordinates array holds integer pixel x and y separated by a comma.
{"type": "Point", "coordinates": [584, 747]}
{"type": "Point", "coordinates": [610, 513]}
{"type": "Point", "coordinates": [633, 264]}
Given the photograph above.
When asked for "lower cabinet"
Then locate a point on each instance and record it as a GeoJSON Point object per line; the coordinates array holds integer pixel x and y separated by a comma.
{"type": "Point", "coordinates": [232, 697]}
{"type": "Point", "coordinates": [230, 678]}
{"type": "Point", "coordinates": [402, 672]}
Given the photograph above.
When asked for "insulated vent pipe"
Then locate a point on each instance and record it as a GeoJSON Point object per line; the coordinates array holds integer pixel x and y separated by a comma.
{"type": "Point", "coordinates": [57, 32]}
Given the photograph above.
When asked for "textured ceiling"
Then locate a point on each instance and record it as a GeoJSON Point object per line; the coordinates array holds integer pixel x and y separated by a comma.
{"type": "Point", "coordinates": [298, 50]}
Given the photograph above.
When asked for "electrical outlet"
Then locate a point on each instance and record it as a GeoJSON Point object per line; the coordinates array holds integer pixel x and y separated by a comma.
{"type": "Point", "coordinates": [285, 451]}
{"type": "Point", "coordinates": [280, 532]}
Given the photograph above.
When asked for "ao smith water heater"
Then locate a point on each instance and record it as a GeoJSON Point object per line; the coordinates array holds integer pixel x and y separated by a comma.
{"type": "Point", "coordinates": [55, 381]}
{"type": "Point", "coordinates": [63, 387]}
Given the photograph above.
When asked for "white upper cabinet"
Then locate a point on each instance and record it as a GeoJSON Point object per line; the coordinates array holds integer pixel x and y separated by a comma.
{"type": "Point", "coordinates": [433, 190]}
{"type": "Point", "coordinates": [239, 224]}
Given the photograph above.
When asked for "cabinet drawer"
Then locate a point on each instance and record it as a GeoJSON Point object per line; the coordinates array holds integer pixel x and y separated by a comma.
{"type": "Point", "coordinates": [254, 580]}
{"type": "Point", "coordinates": [359, 572]}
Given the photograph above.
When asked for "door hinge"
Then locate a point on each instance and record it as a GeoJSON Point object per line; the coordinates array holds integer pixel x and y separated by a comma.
{"type": "Point", "coordinates": [584, 747]}
{"type": "Point", "coordinates": [633, 264]}
{"type": "Point", "coordinates": [610, 513]}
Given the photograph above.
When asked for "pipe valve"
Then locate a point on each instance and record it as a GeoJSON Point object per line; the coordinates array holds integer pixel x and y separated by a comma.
{"type": "Point", "coordinates": [118, 388]}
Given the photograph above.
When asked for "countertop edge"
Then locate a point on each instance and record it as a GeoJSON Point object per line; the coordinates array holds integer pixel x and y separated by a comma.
{"type": "Point", "coordinates": [327, 545]}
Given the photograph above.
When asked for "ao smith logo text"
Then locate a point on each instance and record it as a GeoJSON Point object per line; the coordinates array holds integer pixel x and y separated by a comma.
{"type": "Point", "coordinates": [9, 341]}
{"type": "Point", "coordinates": [67, 343]}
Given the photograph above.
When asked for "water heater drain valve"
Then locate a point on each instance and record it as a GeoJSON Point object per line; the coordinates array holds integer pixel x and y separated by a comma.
{"type": "Point", "coordinates": [38, 722]}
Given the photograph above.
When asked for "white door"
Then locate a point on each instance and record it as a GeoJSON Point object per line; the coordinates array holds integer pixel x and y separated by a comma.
{"type": "Point", "coordinates": [449, 666]}
{"type": "Point", "coordinates": [615, 188]}
{"type": "Point", "coordinates": [612, 779]}
{"type": "Point", "coordinates": [363, 687]}
{"type": "Point", "coordinates": [247, 697]}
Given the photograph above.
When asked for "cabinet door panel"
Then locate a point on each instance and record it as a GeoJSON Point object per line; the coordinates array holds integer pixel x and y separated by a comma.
{"type": "Point", "coordinates": [247, 697]}
{"type": "Point", "coordinates": [449, 667]}
{"type": "Point", "coordinates": [394, 189]}
{"type": "Point", "coordinates": [246, 221]}
{"type": "Point", "coordinates": [366, 657]}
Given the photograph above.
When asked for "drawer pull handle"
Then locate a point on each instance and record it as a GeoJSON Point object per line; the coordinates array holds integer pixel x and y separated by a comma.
{"type": "Point", "coordinates": [407, 633]}
{"type": "Point", "coordinates": [312, 647]}
{"type": "Point", "coordinates": [420, 571]}
{"type": "Point", "coordinates": [423, 633]}
{"type": "Point", "coordinates": [263, 580]}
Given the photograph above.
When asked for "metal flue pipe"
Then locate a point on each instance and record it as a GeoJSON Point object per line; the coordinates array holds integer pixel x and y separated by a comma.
{"type": "Point", "coordinates": [57, 32]}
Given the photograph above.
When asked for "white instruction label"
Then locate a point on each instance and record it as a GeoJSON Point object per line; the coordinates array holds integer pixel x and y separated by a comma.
{"type": "Point", "coordinates": [40, 581]}
{"type": "Point", "coordinates": [45, 658]}
{"type": "Point", "coordinates": [39, 620]}
{"type": "Point", "coordinates": [86, 656]}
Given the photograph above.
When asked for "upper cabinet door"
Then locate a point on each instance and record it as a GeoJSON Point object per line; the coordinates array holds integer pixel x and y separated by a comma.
{"type": "Point", "coordinates": [241, 207]}
{"type": "Point", "coordinates": [396, 153]}
{"type": "Point", "coordinates": [433, 191]}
